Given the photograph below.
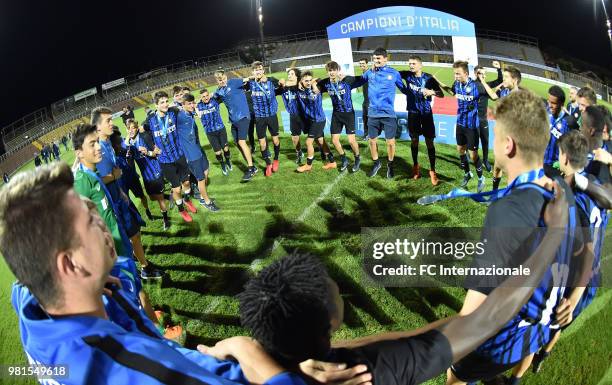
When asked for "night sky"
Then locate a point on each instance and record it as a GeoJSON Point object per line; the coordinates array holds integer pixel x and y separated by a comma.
{"type": "Point", "coordinates": [53, 49]}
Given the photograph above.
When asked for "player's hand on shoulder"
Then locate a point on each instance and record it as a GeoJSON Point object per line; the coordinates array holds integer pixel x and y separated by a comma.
{"type": "Point", "coordinates": [334, 373]}
{"type": "Point", "coordinates": [556, 211]}
{"type": "Point", "coordinates": [496, 64]}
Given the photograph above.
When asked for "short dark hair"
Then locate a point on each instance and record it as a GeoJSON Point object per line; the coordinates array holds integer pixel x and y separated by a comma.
{"type": "Point", "coordinates": [296, 71]}
{"type": "Point", "coordinates": [558, 93]}
{"type": "Point", "coordinates": [188, 98]}
{"type": "Point", "coordinates": [256, 64]}
{"type": "Point", "coordinates": [176, 89]}
{"type": "Point", "coordinates": [365, 59]}
{"type": "Point", "coordinates": [477, 68]}
{"type": "Point", "coordinates": [606, 115]}
{"type": "Point", "coordinates": [203, 91]}
{"type": "Point", "coordinates": [593, 118]}
{"type": "Point", "coordinates": [185, 88]}
{"type": "Point", "coordinates": [82, 131]}
{"type": "Point", "coordinates": [284, 307]}
{"type": "Point", "coordinates": [220, 71]}
{"type": "Point", "coordinates": [588, 93]}
{"type": "Point", "coordinates": [97, 112]}
{"type": "Point", "coordinates": [131, 121]}
{"type": "Point", "coordinates": [158, 95]}
{"type": "Point", "coordinates": [380, 51]}
{"type": "Point", "coordinates": [32, 234]}
{"type": "Point", "coordinates": [306, 73]}
{"type": "Point", "coordinates": [515, 73]}
{"type": "Point", "coordinates": [462, 64]}
{"type": "Point", "coordinates": [332, 65]}
{"type": "Point", "coordinates": [576, 147]}
{"type": "Point", "coordinates": [115, 137]}
{"type": "Point", "coordinates": [415, 57]}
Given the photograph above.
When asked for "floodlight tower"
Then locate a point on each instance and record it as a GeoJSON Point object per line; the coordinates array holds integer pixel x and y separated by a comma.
{"type": "Point", "coordinates": [259, 6]}
{"type": "Point", "coordinates": [608, 24]}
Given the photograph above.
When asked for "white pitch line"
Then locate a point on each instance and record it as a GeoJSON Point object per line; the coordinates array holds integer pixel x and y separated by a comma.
{"type": "Point", "coordinates": [278, 240]}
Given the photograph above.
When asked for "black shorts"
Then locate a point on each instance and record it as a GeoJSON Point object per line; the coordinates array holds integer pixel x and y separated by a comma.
{"type": "Point", "coordinates": [315, 129]}
{"type": "Point", "coordinates": [217, 139]}
{"type": "Point", "coordinates": [467, 136]}
{"type": "Point", "coordinates": [198, 167]}
{"type": "Point", "coordinates": [270, 123]}
{"type": "Point", "coordinates": [377, 125]}
{"type": "Point", "coordinates": [343, 119]}
{"type": "Point", "coordinates": [474, 367]}
{"type": "Point", "coordinates": [154, 187]}
{"type": "Point", "coordinates": [136, 188]}
{"type": "Point", "coordinates": [297, 125]}
{"type": "Point", "coordinates": [421, 124]}
{"type": "Point", "coordinates": [176, 172]}
{"type": "Point", "coordinates": [240, 129]}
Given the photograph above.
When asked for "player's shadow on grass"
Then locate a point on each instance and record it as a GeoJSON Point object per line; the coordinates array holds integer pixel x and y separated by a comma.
{"type": "Point", "coordinates": [209, 280]}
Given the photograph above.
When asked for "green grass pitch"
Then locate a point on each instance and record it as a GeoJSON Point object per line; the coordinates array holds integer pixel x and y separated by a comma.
{"type": "Point", "coordinates": [209, 260]}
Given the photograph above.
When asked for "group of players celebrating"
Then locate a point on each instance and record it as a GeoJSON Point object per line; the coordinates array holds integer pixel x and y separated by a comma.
{"type": "Point", "coordinates": [80, 293]}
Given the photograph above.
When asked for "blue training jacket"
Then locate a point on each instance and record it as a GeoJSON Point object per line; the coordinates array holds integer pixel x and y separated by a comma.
{"type": "Point", "coordinates": [381, 91]}
{"type": "Point", "coordinates": [125, 349]}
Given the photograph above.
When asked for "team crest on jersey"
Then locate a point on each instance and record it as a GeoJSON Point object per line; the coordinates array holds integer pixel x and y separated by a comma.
{"type": "Point", "coordinates": [559, 125]}
{"type": "Point", "coordinates": [468, 90]}
{"type": "Point", "coordinates": [389, 77]}
{"type": "Point", "coordinates": [576, 115]}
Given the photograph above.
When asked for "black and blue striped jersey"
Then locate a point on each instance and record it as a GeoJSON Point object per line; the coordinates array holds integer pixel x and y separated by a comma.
{"type": "Point", "coordinates": [417, 103]}
{"type": "Point", "coordinates": [468, 95]}
{"type": "Point", "coordinates": [164, 134]}
{"type": "Point", "coordinates": [210, 115]}
{"type": "Point", "coordinates": [263, 95]}
{"type": "Point", "coordinates": [340, 91]}
{"type": "Point", "coordinates": [558, 126]}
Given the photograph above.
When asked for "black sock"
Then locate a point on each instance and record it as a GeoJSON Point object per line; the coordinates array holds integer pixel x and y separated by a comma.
{"type": "Point", "coordinates": [276, 151]}
{"type": "Point", "coordinates": [187, 197]}
{"type": "Point", "coordinates": [343, 157]}
{"type": "Point", "coordinates": [496, 182]}
{"type": "Point", "coordinates": [414, 149]}
{"type": "Point", "coordinates": [465, 166]}
{"type": "Point", "coordinates": [309, 161]}
{"type": "Point", "coordinates": [266, 155]}
{"type": "Point", "coordinates": [376, 162]}
{"type": "Point", "coordinates": [165, 215]}
{"type": "Point", "coordinates": [478, 164]}
{"type": "Point", "coordinates": [513, 380]}
{"type": "Point", "coordinates": [431, 153]}
{"type": "Point", "coordinates": [357, 156]}
{"type": "Point", "coordinates": [330, 157]}
{"type": "Point", "coordinates": [227, 155]}
{"type": "Point", "coordinates": [219, 157]}
{"type": "Point", "coordinates": [181, 206]}
{"type": "Point", "coordinates": [485, 151]}
{"type": "Point", "coordinates": [167, 197]}
{"type": "Point", "coordinates": [390, 163]}
{"type": "Point", "coordinates": [322, 153]}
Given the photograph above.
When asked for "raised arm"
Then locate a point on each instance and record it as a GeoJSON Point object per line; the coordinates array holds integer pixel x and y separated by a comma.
{"type": "Point", "coordinates": [500, 75]}
{"type": "Point", "coordinates": [467, 333]}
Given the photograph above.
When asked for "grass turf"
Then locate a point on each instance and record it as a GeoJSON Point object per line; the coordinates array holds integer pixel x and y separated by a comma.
{"type": "Point", "coordinates": [209, 260]}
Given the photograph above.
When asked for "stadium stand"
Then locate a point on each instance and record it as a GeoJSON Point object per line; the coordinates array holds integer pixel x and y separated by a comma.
{"type": "Point", "coordinates": [304, 49]}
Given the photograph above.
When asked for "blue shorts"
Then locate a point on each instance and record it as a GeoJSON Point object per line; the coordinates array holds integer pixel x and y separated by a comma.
{"type": "Point", "coordinates": [240, 129]}
{"type": "Point", "coordinates": [378, 125]}
{"type": "Point", "coordinates": [198, 167]}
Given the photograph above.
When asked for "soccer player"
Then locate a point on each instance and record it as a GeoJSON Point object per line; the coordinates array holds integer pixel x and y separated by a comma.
{"type": "Point", "coordinates": [572, 106]}
{"type": "Point", "coordinates": [189, 142]}
{"type": "Point", "coordinates": [382, 81]}
{"type": "Point", "coordinates": [129, 180]}
{"type": "Point", "coordinates": [142, 148]}
{"type": "Point", "coordinates": [422, 87]}
{"type": "Point", "coordinates": [363, 66]}
{"type": "Point", "coordinates": [297, 126]}
{"type": "Point", "coordinates": [177, 96]}
{"type": "Point", "coordinates": [163, 127]}
{"type": "Point", "coordinates": [560, 123]}
{"type": "Point", "coordinates": [307, 308]}
{"type": "Point", "coordinates": [573, 151]}
{"type": "Point", "coordinates": [91, 327]}
{"type": "Point", "coordinates": [483, 107]}
{"type": "Point", "coordinates": [231, 92]}
{"type": "Point", "coordinates": [263, 93]}
{"type": "Point", "coordinates": [511, 82]}
{"type": "Point", "coordinates": [89, 184]}
{"type": "Point", "coordinates": [521, 135]}
{"type": "Point", "coordinates": [343, 116]}
{"type": "Point", "coordinates": [586, 97]}
{"type": "Point", "coordinates": [468, 92]}
{"type": "Point", "coordinates": [210, 115]}
{"type": "Point", "coordinates": [311, 103]}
